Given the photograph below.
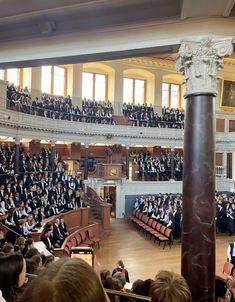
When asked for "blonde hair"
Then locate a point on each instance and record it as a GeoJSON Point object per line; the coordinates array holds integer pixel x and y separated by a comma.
{"type": "Point", "coordinates": [70, 280]}
{"type": "Point", "coordinates": [170, 287]}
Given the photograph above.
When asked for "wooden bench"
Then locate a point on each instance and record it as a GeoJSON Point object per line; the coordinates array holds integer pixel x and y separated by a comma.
{"type": "Point", "coordinates": [83, 236]}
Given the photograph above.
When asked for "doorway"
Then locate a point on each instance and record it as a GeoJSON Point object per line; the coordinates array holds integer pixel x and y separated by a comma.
{"type": "Point", "coordinates": [109, 194]}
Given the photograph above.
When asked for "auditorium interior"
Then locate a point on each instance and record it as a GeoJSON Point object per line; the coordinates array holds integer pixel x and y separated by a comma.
{"type": "Point", "coordinates": [125, 111]}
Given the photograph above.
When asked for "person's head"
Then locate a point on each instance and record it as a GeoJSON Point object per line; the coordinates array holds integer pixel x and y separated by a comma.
{"type": "Point", "coordinates": [120, 263]}
{"type": "Point", "coordinates": [170, 287]}
{"type": "Point", "coordinates": [146, 287]}
{"type": "Point", "coordinates": [12, 274]}
{"type": "Point", "coordinates": [31, 252]}
{"type": "Point", "coordinates": [120, 276]}
{"type": "Point", "coordinates": [34, 264]}
{"type": "Point", "coordinates": [136, 286]}
{"type": "Point", "coordinates": [7, 248]}
{"type": "Point", "coordinates": [222, 293]}
{"type": "Point", "coordinates": [70, 280]}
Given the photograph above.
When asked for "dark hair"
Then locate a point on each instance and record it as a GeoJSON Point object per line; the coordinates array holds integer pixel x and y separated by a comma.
{"type": "Point", "coordinates": [220, 288]}
{"type": "Point", "coordinates": [136, 286]}
{"type": "Point", "coordinates": [10, 268]}
{"type": "Point", "coordinates": [146, 287]}
{"type": "Point", "coordinates": [70, 280]}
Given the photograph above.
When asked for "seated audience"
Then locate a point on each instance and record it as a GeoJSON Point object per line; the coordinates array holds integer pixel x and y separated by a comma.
{"type": "Point", "coordinates": [70, 280]}
{"type": "Point", "coordinates": [59, 107]}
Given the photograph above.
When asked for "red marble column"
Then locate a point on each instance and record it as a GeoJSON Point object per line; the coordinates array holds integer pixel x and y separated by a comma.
{"type": "Point", "coordinates": [199, 61]}
{"type": "Point", "coordinates": [198, 227]}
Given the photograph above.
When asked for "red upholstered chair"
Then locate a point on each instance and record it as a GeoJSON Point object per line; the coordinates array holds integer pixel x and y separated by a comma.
{"type": "Point", "coordinates": [227, 268]}
{"type": "Point", "coordinates": [78, 239]}
{"type": "Point", "coordinates": [167, 238]}
{"type": "Point", "coordinates": [131, 217]}
{"type": "Point", "coordinates": [85, 239]}
{"type": "Point", "coordinates": [74, 241]}
{"type": "Point", "coordinates": [93, 238]}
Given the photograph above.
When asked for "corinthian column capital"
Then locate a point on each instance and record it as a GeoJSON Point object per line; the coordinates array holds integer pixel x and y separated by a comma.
{"type": "Point", "coordinates": [200, 60]}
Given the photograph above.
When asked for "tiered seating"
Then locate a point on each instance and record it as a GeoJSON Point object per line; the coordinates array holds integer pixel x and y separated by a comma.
{"type": "Point", "coordinates": [150, 226]}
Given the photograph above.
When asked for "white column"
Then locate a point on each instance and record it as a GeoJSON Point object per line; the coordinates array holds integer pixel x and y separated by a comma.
{"type": "Point", "coordinates": [3, 94]}
{"type": "Point", "coordinates": [76, 80]}
{"type": "Point", "coordinates": [158, 92]}
{"type": "Point", "coordinates": [36, 82]}
{"type": "Point", "coordinates": [118, 90]}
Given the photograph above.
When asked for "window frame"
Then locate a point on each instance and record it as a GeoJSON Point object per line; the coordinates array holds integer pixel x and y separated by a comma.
{"type": "Point", "coordinates": [52, 92]}
{"type": "Point", "coordinates": [170, 93]}
{"type": "Point", "coordinates": [94, 83]}
{"type": "Point", "coordinates": [133, 89]}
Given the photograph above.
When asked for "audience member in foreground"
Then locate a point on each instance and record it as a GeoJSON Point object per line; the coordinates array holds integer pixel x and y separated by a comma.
{"type": "Point", "coordinates": [70, 280]}
{"type": "Point", "coordinates": [170, 287]}
{"type": "Point", "coordinates": [12, 275]}
{"type": "Point", "coordinates": [222, 292]}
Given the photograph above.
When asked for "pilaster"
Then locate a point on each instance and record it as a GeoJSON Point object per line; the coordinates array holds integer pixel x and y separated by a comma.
{"type": "Point", "coordinates": [118, 90]}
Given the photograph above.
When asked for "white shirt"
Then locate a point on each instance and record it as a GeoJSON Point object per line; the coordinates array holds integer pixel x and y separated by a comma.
{"type": "Point", "coordinates": [228, 252]}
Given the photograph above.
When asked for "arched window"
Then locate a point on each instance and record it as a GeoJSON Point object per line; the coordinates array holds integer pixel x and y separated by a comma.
{"type": "Point", "coordinates": [134, 91]}
{"type": "Point", "coordinates": [171, 95]}
{"type": "Point", "coordinates": [94, 86]}
{"type": "Point", "coordinates": [54, 80]}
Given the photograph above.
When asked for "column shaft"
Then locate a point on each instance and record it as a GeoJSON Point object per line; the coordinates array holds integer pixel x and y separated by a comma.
{"type": "Point", "coordinates": [86, 163]}
{"type": "Point", "coordinates": [198, 236]}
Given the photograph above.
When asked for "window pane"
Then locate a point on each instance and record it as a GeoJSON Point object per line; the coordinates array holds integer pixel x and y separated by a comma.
{"type": "Point", "coordinates": [59, 80]}
{"type": "Point", "coordinates": [1, 74]}
{"type": "Point", "coordinates": [165, 94]}
{"type": "Point", "coordinates": [46, 79]}
{"type": "Point", "coordinates": [100, 87]}
{"type": "Point", "coordinates": [128, 90]}
{"type": "Point", "coordinates": [139, 91]}
{"type": "Point", "coordinates": [174, 96]}
{"type": "Point", "coordinates": [13, 76]}
{"type": "Point", "coordinates": [87, 85]}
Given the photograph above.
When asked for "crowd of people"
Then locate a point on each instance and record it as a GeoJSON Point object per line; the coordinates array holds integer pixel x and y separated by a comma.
{"type": "Point", "coordinates": [158, 167]}
{"type": "Point", "coordinates": [143, 115]}
{"type": "Point", "coordinates": [28, 275]}
{"type": "Point", "coordinates": [35, 193]}
{"type": "Point", "coordinates": [167, 209]}
{"type": "Point", "coordinates": [92, 111]}
{"type": "Point", "coordinates": [59, 107]}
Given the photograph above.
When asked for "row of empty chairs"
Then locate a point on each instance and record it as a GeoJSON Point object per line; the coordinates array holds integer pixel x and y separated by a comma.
{"type": "Point", "coordinates": [155, 229]}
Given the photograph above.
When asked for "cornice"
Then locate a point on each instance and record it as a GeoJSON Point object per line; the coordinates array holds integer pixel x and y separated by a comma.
{"type": "Point", "coordinates": [150, 63]}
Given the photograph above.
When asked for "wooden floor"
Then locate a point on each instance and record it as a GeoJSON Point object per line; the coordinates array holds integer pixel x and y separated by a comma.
{"type": "Point", "coordinates": [144, 258]}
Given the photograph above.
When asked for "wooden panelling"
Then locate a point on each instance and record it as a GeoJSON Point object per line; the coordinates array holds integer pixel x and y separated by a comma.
{"type": "Point", "coordinates": [231, 126]}
{"type": "Point", "coordinates": [219, 159]}
{"type": "Point", "coordinates": [220, 125]}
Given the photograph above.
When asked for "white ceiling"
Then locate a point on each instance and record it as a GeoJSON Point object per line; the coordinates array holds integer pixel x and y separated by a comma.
{"type": "Point", "coordinates": [42, 22]}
